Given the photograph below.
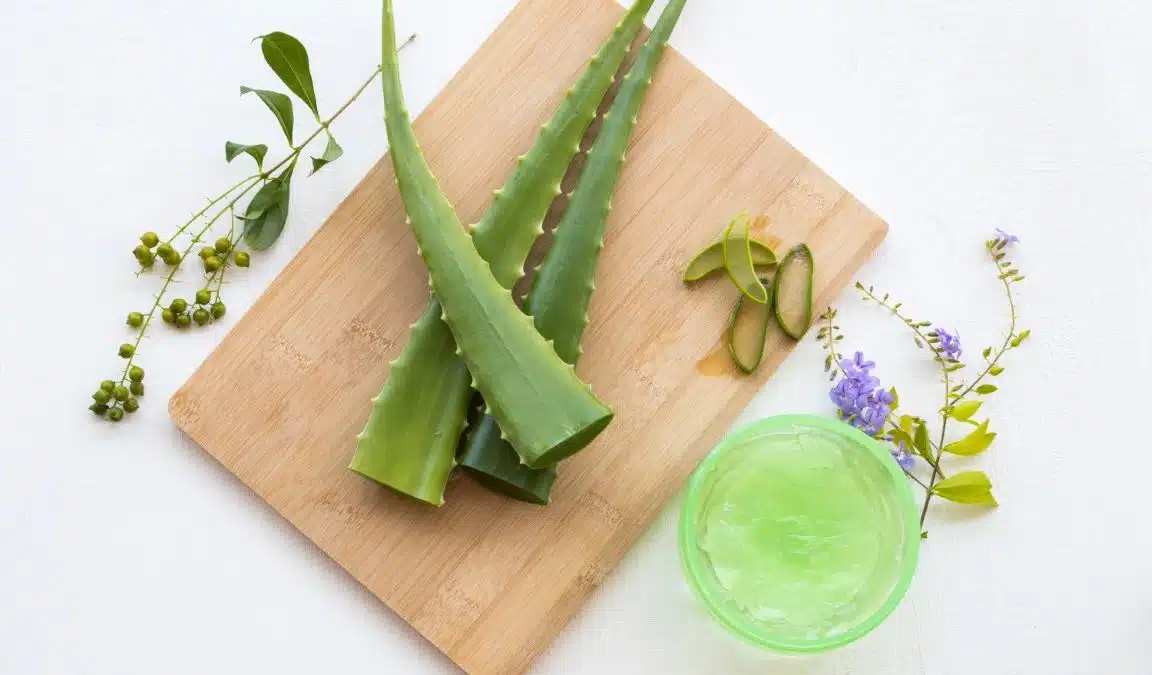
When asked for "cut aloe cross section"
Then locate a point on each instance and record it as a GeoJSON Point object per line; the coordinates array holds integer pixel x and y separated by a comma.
{"type": "Point", "coordinates": [792, 299]}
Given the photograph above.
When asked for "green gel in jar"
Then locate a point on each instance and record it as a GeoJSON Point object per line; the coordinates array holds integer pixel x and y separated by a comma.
{"type": "Point", "coordinates": [799, 533]}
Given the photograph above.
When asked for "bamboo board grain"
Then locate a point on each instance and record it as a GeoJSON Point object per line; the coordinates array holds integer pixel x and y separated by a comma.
{"type": "Point", "coordinates": [487, 580]}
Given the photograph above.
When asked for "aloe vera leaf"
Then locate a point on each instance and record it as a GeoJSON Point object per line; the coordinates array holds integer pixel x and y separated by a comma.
{"type": "Point", "coordinates": [748, 331]}
{"type": "Point", "coordinates": [792, 299]}
{"type": "Point", "coordinates": [492, 462]}
{"type": "Point", "coordinates": [544, 409]}
{"type": "Point", "coordinates": [738, 260]}
{"type": "Point", "coordinates": [405, 425]}
{"type": "Point", "coordinates": [408, 419]}
{"type": "Point", "coordinates": [563, 283]}
{"type": "Point", "coordinates": [711, 259]}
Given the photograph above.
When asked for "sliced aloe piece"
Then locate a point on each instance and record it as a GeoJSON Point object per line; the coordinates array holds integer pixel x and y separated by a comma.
{"type": "Point", "coordinates": [711, 259]}
{"type": "Point", "coordinates": [748, 331]}
{"type": "Point", "coordinates": [792, 299]}
{"type": "Point", "coordinates": [737, 253]}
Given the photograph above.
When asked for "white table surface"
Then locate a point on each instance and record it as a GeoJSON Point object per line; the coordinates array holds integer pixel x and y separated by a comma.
{"type": "Point", "coordinates": [127, 550]}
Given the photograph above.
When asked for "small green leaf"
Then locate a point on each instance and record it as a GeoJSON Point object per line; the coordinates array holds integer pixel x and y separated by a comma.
{"type": "Point", "coordinates": [906, 422]}
{"type": "Point", "coordinates": [260, 233]}
{"type": "Point", "coordinates": [921, 441]}
{"type": "Point", "coordinates": [924, 534]}
{"type": "Point", "coordinates": [986, 389]}
{"type": "Point", "coordinates": [987, 352]}
{"type": "Point", "coordinates": [266, 197]}
{"type": "Point", "coordinates": [964, 410]}
{"type": "Point", "coordinates": [234, 150]}
{"type": "Point", "coordinates": [895, 398]}
{"type": "Point", "coordinates": [332, 152]}
{"type": "Point", "coordinates": [279, 104]}
{"type": "Point", "coordinates": [996, 370]}
{"type": "Point", "coordinates": [974, 443]}
{"type": "Point", "coordinates": [288, 58]}
{"type": "Point", "coordinates": [966, 487]}
{"type": "Point", "coordinates": [954, 367]}
{"type": "Point", "coordinates": [901, 436]}
{"type": "Point", "coordinates": [1021, 337]}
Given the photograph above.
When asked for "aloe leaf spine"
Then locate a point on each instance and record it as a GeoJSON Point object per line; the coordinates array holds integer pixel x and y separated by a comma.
{"type": "Point", "coordinates": [564, 282]}
{"type": "Point", "coordinates": [408, 426]}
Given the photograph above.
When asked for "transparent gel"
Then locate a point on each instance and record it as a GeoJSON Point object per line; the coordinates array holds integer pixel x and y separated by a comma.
{"type": "Point", "coordinates": [799, 534]}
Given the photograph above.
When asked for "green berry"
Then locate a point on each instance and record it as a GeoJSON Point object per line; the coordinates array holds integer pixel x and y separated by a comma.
{"type": "Point", "coordinates": [135, 319]}
{"type": "Point", "coordinates": [203, 296]}
{"type": "Point", "coordinates": [147, 261]}
{"type": "Point", "coordinates": [178, 305]}
{"type": "Point", "coordinates": [172, 259]}
{"type": "Point", "coordinates": [116, 414]}
{"type": "Point", "coordinates": [101, 397]}
{"type": "Point", "coordinates": [183, 321]}
{"type": "Point", "coordinates": [131, 405]}
{"type": "Point", "coordinates": [223, 245]}
{"type": "Point", "coordinates": [126, 351]}
{"type": "Point", "coordinates": [207, 252]}
{"type": "Point", "coordinates": [150, 239]}
{"type": "Point", "coordinates": [218, 310]}
{"type": "Point", "coordinates": [137, 388]}
{"type": "Point", "coordinates": [201, 316]}
{"type": "Point", "coordinates": [164, 250]}
{"type": "Point", "coordinates": [98, 408]}
{"type": "Point", "coordinates": [108, 386]}
{"type": "Point", "coordinates": [141, 252]}
{"type": "Point", "coordinates": [212, 264]}
{"type": "Point", "coordinates": [120, 393]}
{"type": "Point", "coordinates": [136, 374]}
{"type": "Point", "coordinates": [168, 315]}
{"type": "Point", "coordinates": [242, 259]}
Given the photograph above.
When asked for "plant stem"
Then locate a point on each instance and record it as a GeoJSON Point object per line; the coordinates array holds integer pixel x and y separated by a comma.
{"type": "Point", "coordinates": [830, 338]}
{"type": "Point", "coordinates": [944, 363]}
{"type": "Point", "coordinates": [964, 392]}
{"type": "Point", "coordinates": [918, 481]}
{"type": "Point", "coordinates": [1004, 347]}
{"type": "Point", "coordinates": [245, 186]}
{"type": "Point", "coordinates": [180, 230]}
{"type": "Point", "coordinates": [171, 276]}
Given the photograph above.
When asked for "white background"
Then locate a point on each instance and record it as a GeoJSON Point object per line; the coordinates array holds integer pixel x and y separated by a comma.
{"type": "Point", "coordinates": [127, 550]}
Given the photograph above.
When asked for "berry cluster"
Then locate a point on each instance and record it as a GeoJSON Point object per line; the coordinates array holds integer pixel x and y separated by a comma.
{"type": "Point", "coordinates": [202, 309]}
{"type": "Point", "coordinates": [112, 400]}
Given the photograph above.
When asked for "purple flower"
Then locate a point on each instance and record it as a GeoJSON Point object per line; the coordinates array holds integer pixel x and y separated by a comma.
{"type": "Point", "coordinates": [949, 344]}
{"type": "Point", "coordinates": [905, 459]}
{"type": "Point", "coordinates": [871, 419]}
{"type": "Point", "coordinates": [857, 365]}
{"type": "Point", "coordinates": [857, 397]}
{"type": "Point", "coordinates": [1002, 236]}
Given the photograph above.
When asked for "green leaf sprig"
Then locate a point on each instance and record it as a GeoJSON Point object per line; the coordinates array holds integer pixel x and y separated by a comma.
{"type": "Point", "coordinates": [258, 224]}
{"type": "Point", "coordinates": [961, 402]}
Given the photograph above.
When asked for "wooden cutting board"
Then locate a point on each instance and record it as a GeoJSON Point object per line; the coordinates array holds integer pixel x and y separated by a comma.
{"type": "Point", "coordinates": [488, 580]}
